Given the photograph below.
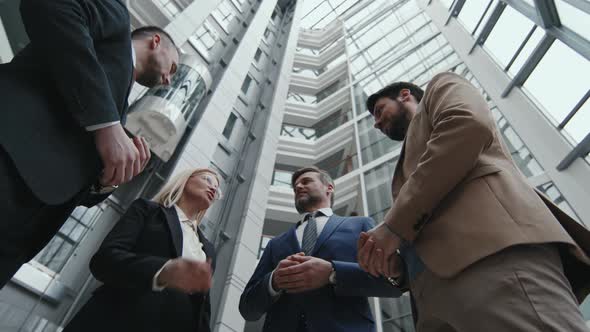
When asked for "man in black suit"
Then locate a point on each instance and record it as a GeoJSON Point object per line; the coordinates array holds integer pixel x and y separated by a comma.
{"type": "Point", "coordinates": [64, 102]}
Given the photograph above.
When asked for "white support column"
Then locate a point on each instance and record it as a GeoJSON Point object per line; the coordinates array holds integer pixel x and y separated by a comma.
{"type": "Point", "coordinates": [199, 150]}
{"type": "Point", "coordinates": [245, 255]}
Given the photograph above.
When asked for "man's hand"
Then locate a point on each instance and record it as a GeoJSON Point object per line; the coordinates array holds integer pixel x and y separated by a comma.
{"type": "Point", "coordinates": [377, 252]}
{"type": "Point", "coordinates": [186, 275]}
{"type": "Point", "coordinates": [119, 155]}
{"type": "Point", "coordinates": [309, 273]}
{"type": "Point", "coordinates": [283, 264]}
{"type": "Point", "coordinates": [144, 151]}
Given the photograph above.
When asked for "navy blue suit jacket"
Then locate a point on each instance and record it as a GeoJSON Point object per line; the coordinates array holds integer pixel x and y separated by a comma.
{"type": "Point", "coordinates": [340, 307]}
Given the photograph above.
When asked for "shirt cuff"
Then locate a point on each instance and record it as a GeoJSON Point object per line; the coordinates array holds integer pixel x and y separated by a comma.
{"type": "Point", "coordinates": [155, 286]}
{"type": "Point", "coordinates": [271, 290]}
{"type": "Point", "coordinates": [101, 125]}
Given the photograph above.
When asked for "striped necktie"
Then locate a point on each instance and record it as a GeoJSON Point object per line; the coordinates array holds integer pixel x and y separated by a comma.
{"type": "Point", "coordinates": [310, 234]}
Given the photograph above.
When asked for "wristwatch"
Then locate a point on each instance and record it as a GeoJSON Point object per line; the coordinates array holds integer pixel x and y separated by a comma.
{"type": "Point", "coordinates": [99, 189]}
{"type": "Point", "coordinates": [332, 277]}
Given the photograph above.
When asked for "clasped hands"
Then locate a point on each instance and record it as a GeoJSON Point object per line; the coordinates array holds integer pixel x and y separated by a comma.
{"type": "Point", "coordinates": [186, 275]}
{"type": "Point", "coordinates": [377, 252]}
{"type": "Point", "coordinates": [122, 157]}
{"type": "Point", "coordinates": [299, 273]}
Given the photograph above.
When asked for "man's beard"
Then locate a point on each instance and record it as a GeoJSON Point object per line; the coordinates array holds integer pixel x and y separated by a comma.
{"type": "Point", "coordinates": [307, 200]}
{"type": "Point", "coordinates": [399, 125]}
{"type": "Point", "coordinates": [398, 131]}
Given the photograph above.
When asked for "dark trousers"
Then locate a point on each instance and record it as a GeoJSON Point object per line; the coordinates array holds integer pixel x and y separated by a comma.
{"type": "Point", "coordinates": [27, 224]}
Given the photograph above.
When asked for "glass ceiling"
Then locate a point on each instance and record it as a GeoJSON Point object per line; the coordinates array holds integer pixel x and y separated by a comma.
{"type": "Point", "coordinates": [319, 13]}
{"type": "Point", "coordinates": [393, 39]}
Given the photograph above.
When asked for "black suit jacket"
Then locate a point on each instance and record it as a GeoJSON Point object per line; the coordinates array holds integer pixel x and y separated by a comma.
{"type": "Point", "coordinates": [145, 238]}
{"type": "Point", "coordinates": [76, 72]}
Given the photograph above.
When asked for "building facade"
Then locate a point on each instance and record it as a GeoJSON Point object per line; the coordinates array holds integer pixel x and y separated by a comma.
{"type": "Point", "coordinates": [268, 86]}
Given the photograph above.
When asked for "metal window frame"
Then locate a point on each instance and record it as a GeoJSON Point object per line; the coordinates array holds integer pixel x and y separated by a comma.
{"type": "Point", "coordinates": [489, 25]}
{"type": "Point", "coordinates": [574, 110]}
{"type": "Point", "coordinates": [521, 47]}
{"type": "Point", "coordinates": [547, 12]}
{"type": "Point", "coordinates": [580, 151]}
{"type": "Point", "coordinates": [455, 9]}
{"type": "Point", "coordinates": [569, 37]}
{"type": "Point", "coordinates": [489, 5]}
{"type": "Point", "coordinates": [582, 5]}
{"type": "Point", "coordinates": [530, 64]}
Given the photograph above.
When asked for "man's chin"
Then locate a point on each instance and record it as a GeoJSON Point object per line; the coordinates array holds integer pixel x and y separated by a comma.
{"type": "Point", "coordinates": [148, 83]}
{"type": "Point", "coordinates": [396, 136]}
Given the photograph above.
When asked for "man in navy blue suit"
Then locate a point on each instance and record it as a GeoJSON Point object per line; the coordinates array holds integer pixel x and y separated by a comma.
{"type": "Point", "coordinates": [308, 279]}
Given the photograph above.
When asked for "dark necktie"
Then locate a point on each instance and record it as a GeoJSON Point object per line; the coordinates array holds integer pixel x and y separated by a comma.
{"type": "Point", "coordinates": [310, 234]}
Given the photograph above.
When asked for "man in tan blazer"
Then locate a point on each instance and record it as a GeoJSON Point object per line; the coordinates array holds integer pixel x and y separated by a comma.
{"type": "Point", "coordinates": [497, 255]}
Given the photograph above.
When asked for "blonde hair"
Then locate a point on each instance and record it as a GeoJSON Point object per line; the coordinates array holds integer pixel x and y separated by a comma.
{"type": "Point", "coordinates": [174, 188]}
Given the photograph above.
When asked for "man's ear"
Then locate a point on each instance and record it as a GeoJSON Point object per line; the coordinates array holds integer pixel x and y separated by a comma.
{"type": "Point", "coordinates": [156, 41]}
{"type": "Point", "coordinates": [405, 95]}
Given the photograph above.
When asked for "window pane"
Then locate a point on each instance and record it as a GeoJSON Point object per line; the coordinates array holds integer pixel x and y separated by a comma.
{"type": "Point", "coordinates": [527, 50]}
{"type": "Point", "coordinates": [507, 35]}
{"type": "Point", "coordinates": [229, 125]}
{"type": "Point", "coordinates": [307, 134]}
{"type": "Point", "coordinates": [169, 7]}
{"type": "Point", "coordinates": [573, 18]}
{"type": "Point", "coordinates": [257, 55]}
{"type": "Point", "coordinates": [579, 126]}
{"type": "Point", "coordinates": [471, 13]}
{"type": "Point", "coordinates": [246, 84]}
{"type": "Point", "coordinates": [486, 17]}
{"type": "Point", "coordinates": [224, 14]}
{"type": "Point", "coordinates": [447, 3]}
{"type": "Point", "coordinates": [559, 81]}
{"type": "Point", "coordinates": [55, 254]}
{"type": "Point", "coordinates": [378, 186]}
{"type": "Point", "coordinates": [282, 178]}
{"type": "Point", "coordinates": [373, 143]}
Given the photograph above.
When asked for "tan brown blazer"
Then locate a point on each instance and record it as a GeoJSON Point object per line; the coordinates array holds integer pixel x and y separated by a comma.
{"type": "Point", "coordinates": [459, 197]}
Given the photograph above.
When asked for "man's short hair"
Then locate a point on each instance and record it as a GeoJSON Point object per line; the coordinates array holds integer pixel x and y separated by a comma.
{"type": "Point", "coordinates": [324, 177]}
{"type": "Point", "coordinates": [150, 30]}
{"type": "Point", "coordinates": [392, 91]}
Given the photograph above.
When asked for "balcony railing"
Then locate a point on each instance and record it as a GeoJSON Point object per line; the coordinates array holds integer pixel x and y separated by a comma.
{"type": "Point", "coordinates": [320, 129]}
{"type": "Point", "coordinates": [282, 178]}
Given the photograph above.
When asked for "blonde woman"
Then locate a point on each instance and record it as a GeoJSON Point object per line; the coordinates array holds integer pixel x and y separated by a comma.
{"type": "Point", "coordinates": [155, 264]}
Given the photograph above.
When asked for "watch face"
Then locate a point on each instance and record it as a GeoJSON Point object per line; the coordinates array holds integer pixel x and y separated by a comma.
{"type": "Point", "coordinates": [332, 278]}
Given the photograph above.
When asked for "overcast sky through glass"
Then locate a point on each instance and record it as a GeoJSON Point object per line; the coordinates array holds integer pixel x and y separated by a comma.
{"type": "Point", "coordinates": [556, 85]}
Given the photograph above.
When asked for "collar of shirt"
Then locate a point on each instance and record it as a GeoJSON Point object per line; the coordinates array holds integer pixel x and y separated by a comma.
{"type": "Point", "coordinates": [133, 55]}
{"type": "Point", "coordinates": [327, 212]}
{"type": "Point", "coordinates": [182, 217]}
{"type": "Point", "coordinates": [320, 223]}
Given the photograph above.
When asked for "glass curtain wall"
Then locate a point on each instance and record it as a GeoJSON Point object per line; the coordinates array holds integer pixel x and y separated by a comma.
{"type": "Point", "coordinates": [394, 40]}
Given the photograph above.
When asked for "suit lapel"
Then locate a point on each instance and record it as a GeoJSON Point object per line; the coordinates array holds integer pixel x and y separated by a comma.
{"type": "Point", "coordinates": [207, 247]}
{"type": "Point", "coordinates": [397, 182]}
{"type": "Point", "coordinates": [292, 241]}
{"type": "Point", "coordinates": [175, 231]}
{"type": "Point", "coordinates": [331, 225]}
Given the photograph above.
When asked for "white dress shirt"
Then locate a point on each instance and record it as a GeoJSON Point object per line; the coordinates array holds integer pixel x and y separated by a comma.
{"type": "Point", "coordinates": [321, 221]}
{"type": "Point", "coordinates": [192, 247]}
{"type": "Point", "coordinates": [108, 124]}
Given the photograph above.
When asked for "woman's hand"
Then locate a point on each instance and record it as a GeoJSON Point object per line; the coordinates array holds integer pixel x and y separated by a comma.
{"type": "Point", "coordinates": [186, 275]}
